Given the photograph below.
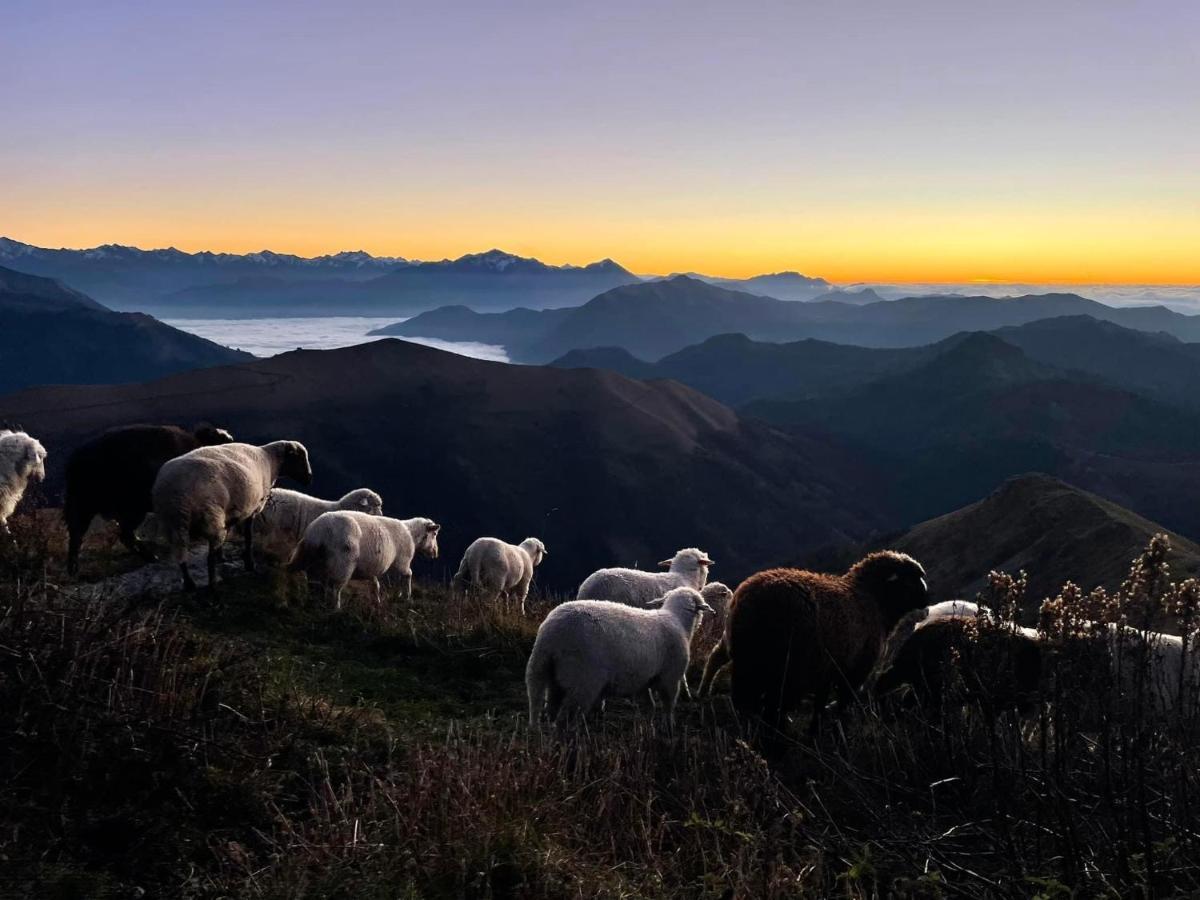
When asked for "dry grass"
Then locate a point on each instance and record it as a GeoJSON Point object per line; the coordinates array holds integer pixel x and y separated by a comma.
{"type": "Point", "coordinates": [264, 746]}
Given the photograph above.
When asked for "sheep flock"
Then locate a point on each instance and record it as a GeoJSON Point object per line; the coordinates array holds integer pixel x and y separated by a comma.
{"type": "Point", "coordinates": [787, 635]}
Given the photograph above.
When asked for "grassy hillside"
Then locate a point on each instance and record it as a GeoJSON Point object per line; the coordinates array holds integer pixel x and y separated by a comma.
{"type": "Point", "coordinates": [261, 745]}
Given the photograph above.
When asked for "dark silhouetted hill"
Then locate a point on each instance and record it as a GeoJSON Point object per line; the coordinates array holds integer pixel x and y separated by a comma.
{"type": "Point", "coordinates": [605, 469]}
{"type": "Point", "coordinates": [1049, 529]}
{"type": "Point", "coordinates": [50, 334]}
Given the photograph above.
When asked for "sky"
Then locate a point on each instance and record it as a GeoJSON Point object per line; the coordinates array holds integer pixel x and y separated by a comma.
{"type": "Point", "coordinates": [1053, 142]}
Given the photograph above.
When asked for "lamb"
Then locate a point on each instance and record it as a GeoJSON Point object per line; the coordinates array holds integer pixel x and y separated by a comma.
{"type": "Point", "coordinates": [343, 544]}
{"type": "Point", "coordinates": [287, 515]}
{"type": "Point", "coordinates": [1000, 665]}
{"type": "Point", "coordinates": [633, 587]}
{"type": "Point", "coordinates": [22, 460]}
{"type": "Point", "coordinates": [793, 633]}
{"type": "Point", "coordinates": [717, 595]}
{"type": "Point", "coordinates": [206, 492]}
{"type": "Point", "coordinates": [495, 570]}
{"type": "Point", "coordinates": [112, 476]}
{"type": "Point", "coordinates": [588, 650]}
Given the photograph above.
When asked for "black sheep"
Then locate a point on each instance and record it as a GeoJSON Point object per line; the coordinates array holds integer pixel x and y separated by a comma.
{"type": "Point", "coordinates": [111, 476]}
{"type": "Point", "coordinates": [1000, 666]}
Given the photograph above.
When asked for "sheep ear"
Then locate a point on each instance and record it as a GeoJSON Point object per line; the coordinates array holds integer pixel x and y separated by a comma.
{"type": "Point", "coordinates": [434, 528]}
{"type": "Point", "coordinates": [656, 603]}
{"type": "Point", "coordinates": [665, 564]}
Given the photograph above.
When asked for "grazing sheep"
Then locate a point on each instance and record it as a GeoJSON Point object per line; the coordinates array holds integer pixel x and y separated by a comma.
{"type": "Point", "coordinates": [793, 633]}
{"type": "Point", "coordinates": [588, 650]}
{"type": "Point", "coordinates": [343, 545]}
{"type": "Point", "coordinates": [112, 476]}
{"type": "Point", "coordinates": [633, 587]}
{"type": "Point", "coordinates": [287, 515]}
{"type": "Point", "coordinates": [22, 460]}
{"type": "Point", "coordinates": [494, 570]}
{"type": "Point", "coordinates": [1000, 665]}
{"type": "Point", "coordinates": [206, 492]}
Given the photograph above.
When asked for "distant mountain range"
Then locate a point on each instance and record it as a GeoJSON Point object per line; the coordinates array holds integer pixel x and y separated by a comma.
{"type": "Point", "coordinates": [1051, 530]}
{"type": "Point", "coordinates": [605, 469]}
{"type": "Point", "coordinates": [737, 370]}
{"type": "Point", "coordinates": [51, 334]}
{"type": "Point", "coordinates": [206, 285]}
{"type": "Point", "coordinates": [654, 319]}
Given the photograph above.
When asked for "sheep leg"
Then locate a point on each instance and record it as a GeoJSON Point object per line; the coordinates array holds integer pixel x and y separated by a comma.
{"type": "Point", "coordinates": [669, 694]}
{"type": "Point", "coordinates": [820, 698]}
{"type": "Point", "coordinates": [378, 592]}
{"type": "Point", "coordinates": [406, 586]}
{"type": "Point", "coordinates": [189, 583]}
{"type": "Point", "coordinates": [248, 549]}
{"type": "Point", "coordinates": [129, 527]}
{"type": "Point", "coordinates": [215, 555]}
{"type": "Point", "coordinates": [717, 660]}
{"type": "Point", "coordinates": [77, 526]}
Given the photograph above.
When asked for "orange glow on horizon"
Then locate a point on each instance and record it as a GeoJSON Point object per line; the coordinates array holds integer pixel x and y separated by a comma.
{"type": "Point", "coordinates": [913, 257]}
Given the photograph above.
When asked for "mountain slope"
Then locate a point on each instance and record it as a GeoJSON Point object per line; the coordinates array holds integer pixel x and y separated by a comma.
{"type": "Point", "coordinates": [50, 334]}
{"type": "Point", "coordinates": [1054, 531]}
{"type": "Point", "coordinates": [654, 319]}
{"type": "Point", "coordinates": [606, 470]}
{"type": "Point", "coordinates": [952, 427]}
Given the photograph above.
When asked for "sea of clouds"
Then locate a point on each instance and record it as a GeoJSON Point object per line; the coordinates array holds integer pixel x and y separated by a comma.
{"type": "Point", "coordinates": [268, 337]}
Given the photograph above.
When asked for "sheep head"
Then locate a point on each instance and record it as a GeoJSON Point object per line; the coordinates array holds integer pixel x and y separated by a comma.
{"type": "Point", "coordinates": [210, 436]}
{"type": "Point", "coordinates": [427, 534]}
{"type": "Point", "coordinates": [683, 600]}
{"type": "Point", "coordinates": [295, 464]}
{"type": "Point", "coordinates": [895, 580]}
{"type": "Point", "coordinates": [536, 550]}
{"type": "Point", "coordinates": [717, 594]}
{"type": "Point", "coordinates": [27, 455]}
{"type": "Point", "coordinates": [688, 560]}
{"type": "Point", "coordinates": [363, 500]}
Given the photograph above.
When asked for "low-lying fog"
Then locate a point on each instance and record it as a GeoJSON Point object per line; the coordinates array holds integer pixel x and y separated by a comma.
{"type": "Point", "coordinates": [268, 337]}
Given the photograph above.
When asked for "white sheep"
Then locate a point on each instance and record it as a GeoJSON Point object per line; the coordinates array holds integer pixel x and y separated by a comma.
{"type": "Point", "coordinates": [493, 570]}
{"type": "Point", "coordinates": [589, 650]}
{"type": "Point", "coordinates": [287, 515]}
{"type": "Point", "coordinates": [206, 492]}
{"type": "Point", "coordinates": [1154, 662]}
{"type": "Point", "coordinates": [633, 587]}
{"type": "Point", "coordinates": [343, 545]}
{"type": "Point", "coordinates": [22, 460]}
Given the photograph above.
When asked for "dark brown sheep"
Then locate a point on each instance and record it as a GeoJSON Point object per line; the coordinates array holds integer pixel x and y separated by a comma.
{"type": "Point", "coordinates": [111, 476]}
{"type": "Point", "coordinates": [793, 633]}
{"type": "Point", "coordinates": [1000, 666]}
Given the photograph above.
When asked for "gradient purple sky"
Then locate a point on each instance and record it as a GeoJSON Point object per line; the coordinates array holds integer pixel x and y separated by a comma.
{"type": "Point", "coordinates": [1050, 141]}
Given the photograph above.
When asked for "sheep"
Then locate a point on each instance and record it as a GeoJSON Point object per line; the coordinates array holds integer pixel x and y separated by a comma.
{"type": "Point", "coordinates": [22, 460]}
{"type": "Point", "coordinates": [287, 515]}
{"type": "Point", "coordinates": [633, 587]}
{"type": "Point", "coordinates": [792, 633]}
{"type": "Point", "coordinates": [1000, 664]}
{"type": "Point", "coordinates": [953, 609]}
{"type": "Point", "coordinates": [495, 570]}
{"type": "Point", "coordinates": [1154, 663]}
{"type": "Point", "coordinates": [343, 544]}
{"type": "Point", "coordinates": [587, 650]}
{"type": "Point", "coordinates": [112, 476]}
{"type": "Point", "coordinates": [717, 595]}
{"type": "Point", "coordinates": [207, 492]}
